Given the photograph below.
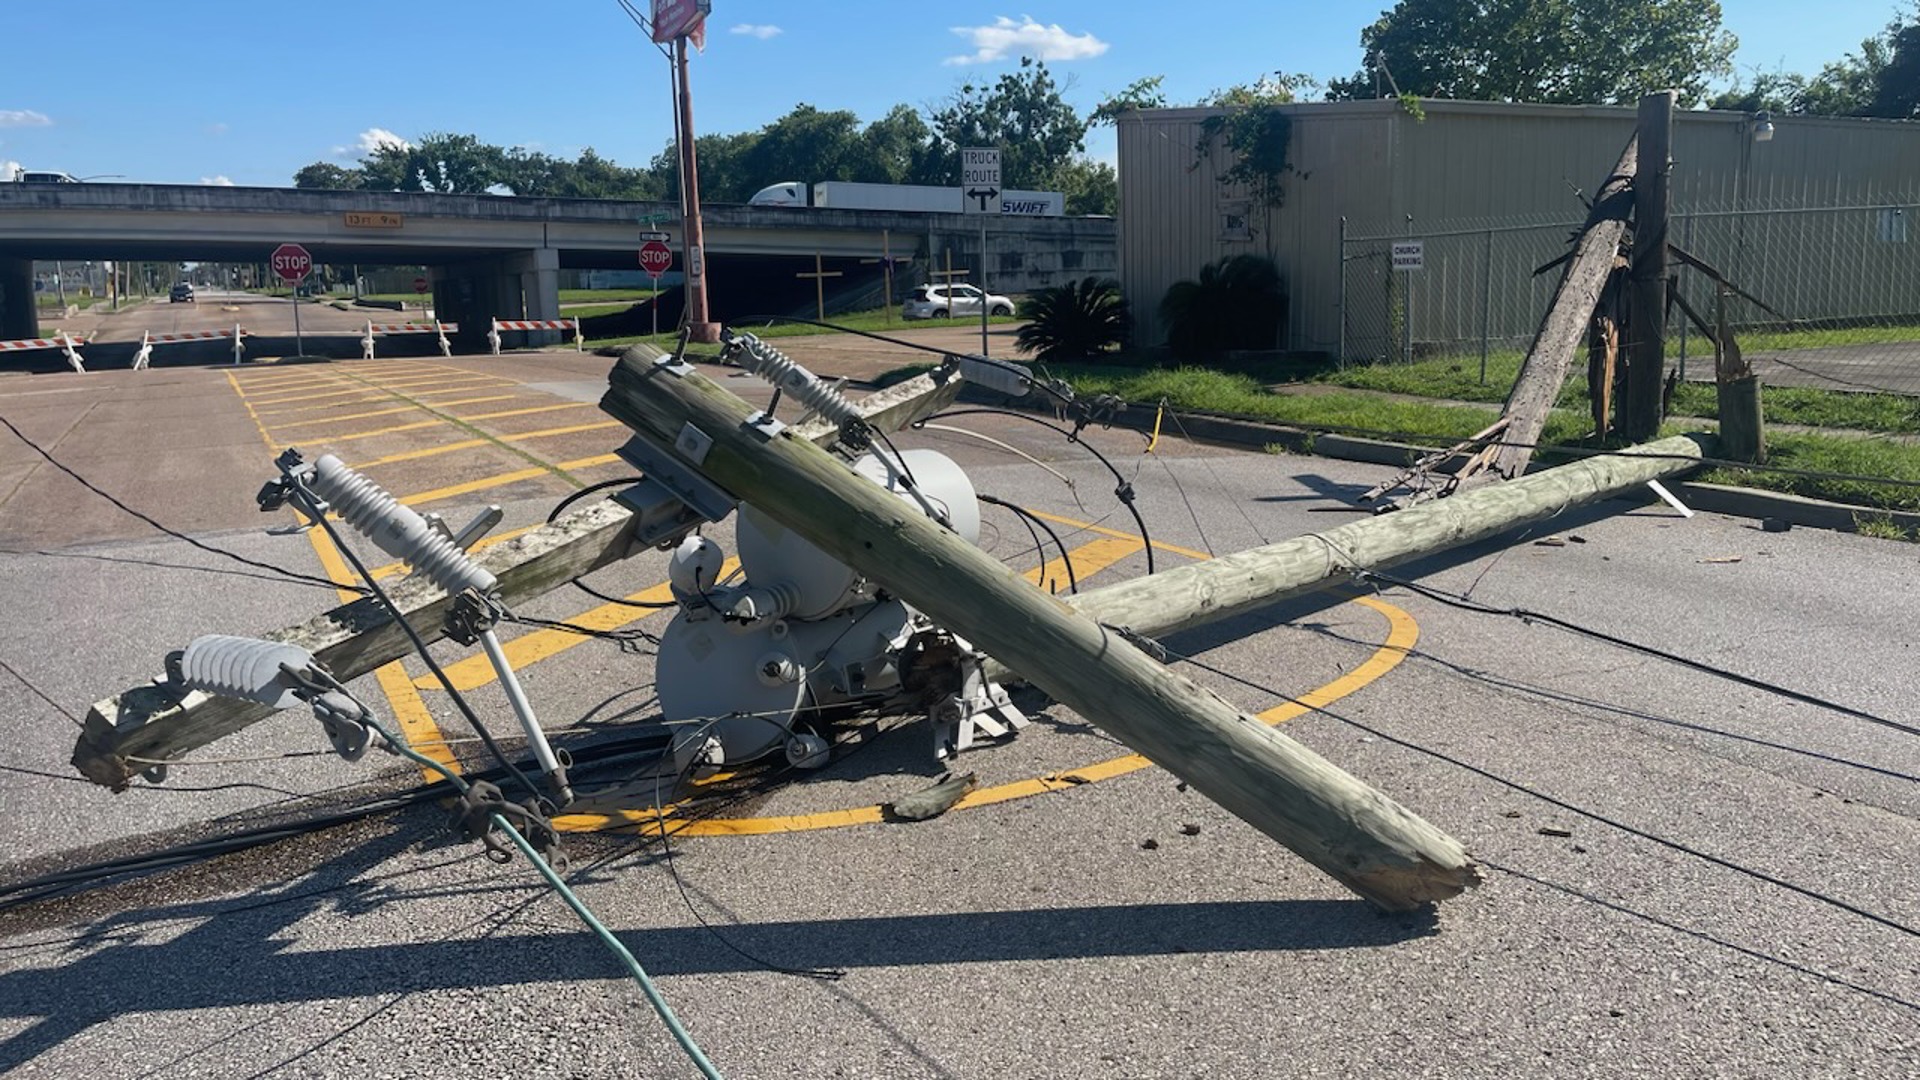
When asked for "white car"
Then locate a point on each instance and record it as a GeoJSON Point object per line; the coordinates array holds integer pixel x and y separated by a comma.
{"type": "Point", "coordinates": [946, 301]}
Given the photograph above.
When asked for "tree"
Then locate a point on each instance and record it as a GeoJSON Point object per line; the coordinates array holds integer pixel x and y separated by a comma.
{"type": "Point", "coordinates": [326, 176]}
{"type": "Point", "coordinates": [1882, 79]}
{"type": "Point", "coordinates": [805, 145]}
{"type": "Point", "coordinates": [1091, 187]}
{"type": "Point", "coordinates": [898, 148]}
{"type": "Point", "coordinates": [1143, 93]}
{"type": "Point", "coordinates": [1257, 132]}
{"type": "Point", "coordinates": [1023, 114]}
{"type": "Point", "coordinates": [1555, 51]}
{"type": "Point", "coordinates": [1075, 321]}
{"type": "Point", "coordinates": [1238, 302]}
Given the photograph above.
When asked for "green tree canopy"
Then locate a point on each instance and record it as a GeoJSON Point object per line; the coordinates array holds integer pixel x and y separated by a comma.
{"type": "Point", "coordinates": [1024, 114]}
{"type": "Point", "coordinates": [1555, 51]}
{"type": "Point", "coordinates": [1882, 79]}
{"type": "Point", "coordinates": [325, 175]}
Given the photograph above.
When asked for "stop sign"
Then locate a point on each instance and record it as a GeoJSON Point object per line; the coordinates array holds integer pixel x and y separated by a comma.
{"type": "Point", "coordinates": [655, 257]}
{"type": "Point", "coordinates": [291, 262]}
{"type": "Point", "coordinates": [420, 284]}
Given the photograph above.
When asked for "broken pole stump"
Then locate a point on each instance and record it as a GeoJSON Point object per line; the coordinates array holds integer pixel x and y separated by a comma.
{"type": "Point", "coordinates": [1355, 833]}
{"type": "Point", "coordinates": [158, 723]}
{"type": "Point", "coordinates": [1565, 327]}
{"type": "Point", "coordinates": [1743, 432]}
{"type": "Point", "coordinates": [1647, 289]}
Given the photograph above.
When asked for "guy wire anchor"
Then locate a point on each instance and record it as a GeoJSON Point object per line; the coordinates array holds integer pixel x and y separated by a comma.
{"type": "Point", "coordinates": [400, 531]}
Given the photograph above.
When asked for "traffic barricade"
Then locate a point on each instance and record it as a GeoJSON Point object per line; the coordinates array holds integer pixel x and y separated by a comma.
{"type": "Point", "coordinates": [493, 335]}
{"type": "Point", "coordinates": [148, 340]}
{"type": "Point", "coordinates": [436, 327]}
{"type": "Point", "coordinates": [65, 341]}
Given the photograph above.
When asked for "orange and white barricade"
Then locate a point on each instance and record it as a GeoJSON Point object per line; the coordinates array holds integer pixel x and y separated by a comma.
{"type": "Point", "coordinates": [493, 335]}
{"type": "Point", "coordinates": [442, 329]}
{"type": "Point", "coordinates": [149, 339]}
{"type": "Point", "coordinates": [67, 342]}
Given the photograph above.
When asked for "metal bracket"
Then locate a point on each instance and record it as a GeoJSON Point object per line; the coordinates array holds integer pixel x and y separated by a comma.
{"type": "Point", "coordinates": [481, 525]}
{"type": "Point", "coordinates": [687, 484]}
{"type": "Point", "coordinates": [980, 708]}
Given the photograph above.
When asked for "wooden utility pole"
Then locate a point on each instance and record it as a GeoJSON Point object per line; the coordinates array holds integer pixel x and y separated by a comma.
{"type": "Point", "coordinates": [1737, 389]}
{"type": "Point", "coordinates": [1358, 835]}
{"type": "Point", "coordinates": [819, 277]}
{"type": "Point", "coordinates": [1647, 288]}
{"type": "Point", "coordinates": [1565, 326]}
{"type": "Point", "coordinates": [1205, 592]}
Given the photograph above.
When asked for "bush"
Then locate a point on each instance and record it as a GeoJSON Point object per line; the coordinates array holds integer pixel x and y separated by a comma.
{"type": "Point", "coordinates": [1076, 321]}
{"type": "Point", "coordinates": [1239, 302]}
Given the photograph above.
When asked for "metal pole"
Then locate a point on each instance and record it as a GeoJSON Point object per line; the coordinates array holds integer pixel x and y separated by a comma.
{"type": "Point", "coordinates": [60, 283]}
{"type": "Point", "coordinates": [1486, 305]}
{"type": "Point", "coordinates": [1687, 228]}
{"type": "Point", "coordinates": [299, 346]}
{"type": "Point", "coordinates": [886, 270]}
{"type": "Point", "coordinates": [983, 286]}
{"type": "Point", "coordinates": [1341, 302]}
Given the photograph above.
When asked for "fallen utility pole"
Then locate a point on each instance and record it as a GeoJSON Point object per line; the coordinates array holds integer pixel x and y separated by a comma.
{"type": "Point", "coordinates": [1200, 593]}
{"type": "Point", "coordinates": [1565, 327]}
{"type": "Point", "coordinates": [156, 723]}
{"type": "Point", "coordinates": [1358, 835]}
{"type": "Point", "coordinates": [1647, 293]}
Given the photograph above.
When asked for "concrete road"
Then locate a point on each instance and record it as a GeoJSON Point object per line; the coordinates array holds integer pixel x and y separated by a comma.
{"type": "Point", "coordinates": [1686, 877]}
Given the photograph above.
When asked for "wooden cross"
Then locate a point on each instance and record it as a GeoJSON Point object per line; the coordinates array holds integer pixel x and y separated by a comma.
{"type": "Point", "coordinates": [819, 277]}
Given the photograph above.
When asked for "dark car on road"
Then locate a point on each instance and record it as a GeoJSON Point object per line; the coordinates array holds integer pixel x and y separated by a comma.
{"type": "Point", "coordinates": [182, 292]}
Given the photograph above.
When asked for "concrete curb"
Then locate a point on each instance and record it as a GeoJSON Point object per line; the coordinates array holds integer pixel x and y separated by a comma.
{"type": "Point", "coordinates": [1710, 498]}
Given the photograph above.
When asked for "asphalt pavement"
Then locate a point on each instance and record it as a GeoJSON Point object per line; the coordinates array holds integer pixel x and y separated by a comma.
{"type": "Point", "coordinates": [1685, 875]}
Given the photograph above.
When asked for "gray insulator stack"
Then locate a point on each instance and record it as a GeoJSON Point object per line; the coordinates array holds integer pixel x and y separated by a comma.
{"type": "Point", "coordinates": [396, 529]}
{"type": "Point", "coordinates": [791, 379]}
{"type": "Point", "coordinates": [245, 668]}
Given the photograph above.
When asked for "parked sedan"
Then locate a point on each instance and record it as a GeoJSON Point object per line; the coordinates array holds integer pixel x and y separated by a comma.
{"type": "Point", "coordinates": [181, 294]}
{"type": "Point", "coordinates": [945, 301]}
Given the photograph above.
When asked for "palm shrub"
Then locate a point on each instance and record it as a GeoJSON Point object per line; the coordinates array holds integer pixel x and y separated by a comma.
{"type": "Point", "coordinates": [1075, 321]}
{"type": "Point", "coordinates": [1238, 302]}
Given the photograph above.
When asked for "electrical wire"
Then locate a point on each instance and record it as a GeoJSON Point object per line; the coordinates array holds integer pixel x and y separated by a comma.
{"type": "Point", "coordinates": [1123, 489]}
{"type": "Point", "coordinates": [1562, 804]}
{"type": "Point", "coordinates": [1032, 519]}
{"type": "Point", "coordinates": [1524, 615]}
{"type": "Point", "coordinates": [560, 508]}
{"type": "Point", "coordinates": [41, 694]}
{"type": "Point", "coordinates": [290, 575]}
{"type": "Point", "coordinates": [1063, 398]}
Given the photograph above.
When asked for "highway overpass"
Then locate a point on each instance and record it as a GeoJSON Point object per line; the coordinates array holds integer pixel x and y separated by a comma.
{"type": "Point", "coordinates": [499, 256]}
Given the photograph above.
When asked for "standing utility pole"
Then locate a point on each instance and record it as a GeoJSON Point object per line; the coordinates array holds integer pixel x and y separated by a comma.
{"type": "Point", "coordinates": [699, 327]}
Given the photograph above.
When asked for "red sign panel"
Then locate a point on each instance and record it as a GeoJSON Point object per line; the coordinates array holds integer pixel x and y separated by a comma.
{"type": "Point", "coordinates": [655, 258]}
{"type": "Point", "coordinates": [291, 262]}
{"type": "Point", "coordinates": [674, 19]}
{"type": "Point", "coordinates": [420, 284]}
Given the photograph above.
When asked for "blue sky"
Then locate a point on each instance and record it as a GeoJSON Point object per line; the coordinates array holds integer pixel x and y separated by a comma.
{"type": "Point", "coordinates": [244, 92]}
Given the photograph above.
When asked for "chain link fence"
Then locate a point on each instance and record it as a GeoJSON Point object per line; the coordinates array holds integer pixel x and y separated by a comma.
{"type": "Point", "coordinates": [1832, 295]}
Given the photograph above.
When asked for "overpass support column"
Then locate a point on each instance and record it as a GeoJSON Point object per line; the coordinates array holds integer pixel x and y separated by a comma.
{"type": "Point", "coordinates": [18, 317]}
{"type": "Point", "coordinates": [539, 271]}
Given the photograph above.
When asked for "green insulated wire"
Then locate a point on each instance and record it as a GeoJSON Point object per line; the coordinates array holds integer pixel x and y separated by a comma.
{"type": "Point", "coordinates": [659, 1003]}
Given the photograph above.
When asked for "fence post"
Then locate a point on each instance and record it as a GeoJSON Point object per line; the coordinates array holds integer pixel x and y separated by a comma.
{"type": "Point", "coordinates": [366, 343]}
{"type": "Point", "coordinates": [1406, 307]}
{"type": "Point", "coordinates": [1341, 302]}
{"type": "Point", "coordinates": [1486, 306]}
{"type": "Point", "coordinates": [493, 336]}
{"type": "Point", "coordinates": [1686, 228]}
{"type": "Point", "coordinates": [145, 354]}
{"type": "Point", "coordinates": [239, 350]}
{"type": "Point", "coordinates": [446, 347]}
{"type": "Point", "coordinates": [579, 338]}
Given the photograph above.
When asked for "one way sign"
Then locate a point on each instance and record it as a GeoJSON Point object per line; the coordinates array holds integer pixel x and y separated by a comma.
{"type": "Point", "coordinates": [980, 179]}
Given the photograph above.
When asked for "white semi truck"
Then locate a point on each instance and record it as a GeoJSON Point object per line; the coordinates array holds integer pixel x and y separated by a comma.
{"type": "Point", "coordinates": [906, 198]}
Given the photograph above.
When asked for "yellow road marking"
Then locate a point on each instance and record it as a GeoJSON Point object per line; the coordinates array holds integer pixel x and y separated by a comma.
{"type": "Point", "coordinates": [415, 426]}
{"type": "Point", "coordinates": [504, 479]}
{"type": "Point", "coordinates": [1088, 560]}
{"type": "Point", "coordinates": [381, 573]}
{"type": "Point", "coordinates": [387, 397]}
{"type": "Point", "coordinates": [1402, 634]}
{"type": "Point", "coordinates": [469, 444]}
{"type": "Point", "coordinates": [362, 386]}
{"type": "Point", "coordinates": [536, 645]}
{"type": "Point", "coordinates": [424, 380]}
{"type": "Point", "coordinates": [523, 412]}
{"type": "Point", "coordinates": [388, 412]}
{"type": "Point", "coordinates": [409, 711]}
{"type": "Point", "coordinates": [1104, 531]}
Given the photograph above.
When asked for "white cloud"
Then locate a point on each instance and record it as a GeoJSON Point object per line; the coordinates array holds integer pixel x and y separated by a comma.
{"type": "Point", "coordinates": [759, 30]}
{"type": "Point", "coordinates": [1025, 38]}
{"type": "Point", "coordinates": [8, 169]}
{"type": "Point", "coordinates": [374, 138]}
{"type": "Point", "coordinates": [216, 181]}
{"type": "Point", "coordinates": [23, 118]}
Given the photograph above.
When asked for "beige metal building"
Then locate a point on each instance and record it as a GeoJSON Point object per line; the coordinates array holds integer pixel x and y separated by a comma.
{"type": "Point", "coordinates": [1491, 189]}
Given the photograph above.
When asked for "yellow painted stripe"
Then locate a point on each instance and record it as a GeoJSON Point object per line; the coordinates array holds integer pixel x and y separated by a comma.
{"type": "Point", "coordinates": [1088, 560]}
{"type": "Point", "coordinates": [409, 381]}
{"type": "Point", "coordinates": [360, 389]}
{"type": "Point", "coordinates": [523, 412]}
{"type": "Point", "coordinates": [469, 444]}
{"type": "Point", "coordinates": [415, 426]}
{"type": "Point", "coordinates": [388, 398]}
{"type": "Point", "coordinates": [361, 386]}
{"type": "Point", "coordinates": [1090, 527]}
{"type": "Point", "coordinates": [504, 479]}
{"type": "Point", "coordinates": [396, 409]}
{"type": "Point", "coordinates": [409, 711]}
{"type": "Point", "coordinates": [536, 645]}
{"type": "Point", "coordinates": [1402, 634]}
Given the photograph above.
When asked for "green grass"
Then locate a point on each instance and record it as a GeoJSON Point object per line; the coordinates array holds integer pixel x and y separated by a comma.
{"type": "Point", "coordinates": [1863, 466]}
{"type": "Point", "coordinates": [1879, 526]}
{"type": "Point", "coordinates": [603, 296]}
